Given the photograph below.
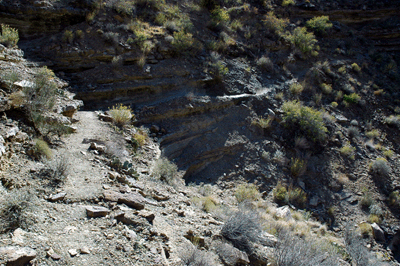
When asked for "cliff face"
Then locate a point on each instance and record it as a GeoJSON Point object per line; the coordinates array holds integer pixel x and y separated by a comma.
{"type": "Point", "coordinates": [197, 109]}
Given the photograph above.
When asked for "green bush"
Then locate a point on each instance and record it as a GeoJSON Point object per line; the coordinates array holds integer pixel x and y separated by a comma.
{"type": "Point", "coordinates": [348, 151]}
{"type": "Point", "coordinates": [356, 67]}
{"type": "Point", "coordinates": [303, 40]}
{"type": "Point", "coordinates": [9, 36]}
{"type": "Point", "coordinates": [68, 36]}
{"type": "Point", "coordinates": [220, 16]}
{"type": "Point", "coordinates": [304, 119]}
{"type": "Point", "coordinates": [319, 24]}
{"type": "Point", "coordinates": [352, 98]}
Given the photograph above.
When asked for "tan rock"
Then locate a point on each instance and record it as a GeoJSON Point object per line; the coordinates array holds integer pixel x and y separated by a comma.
{"type": "Point", "coordinates": [16, 256]}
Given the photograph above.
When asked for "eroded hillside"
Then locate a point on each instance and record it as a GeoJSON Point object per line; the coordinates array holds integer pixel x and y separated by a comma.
{"type": "Point", "coordinates": [298, 98]}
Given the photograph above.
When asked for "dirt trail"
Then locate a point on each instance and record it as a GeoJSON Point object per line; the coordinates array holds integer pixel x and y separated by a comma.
{"type": "Point", "coordinates": [84, 176]}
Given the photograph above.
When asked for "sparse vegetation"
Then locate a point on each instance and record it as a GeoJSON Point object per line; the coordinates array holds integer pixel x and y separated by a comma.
{"type": "Point", "coordinates": [296, 88]}
{"type": "Point", "coordinates": [9, 36]}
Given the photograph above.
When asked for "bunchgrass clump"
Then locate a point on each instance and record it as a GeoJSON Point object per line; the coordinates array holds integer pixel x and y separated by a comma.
{"type": "Point", "coordinates": [263, 123]}
{"type": "Point", "coordinates": [42, 150]}
{"type": "Point", "coordinates": [121, 114]}
{"type": "Point", "coordinates": [372, 134]}
{"type": "Point", "coordinates": [296, 88]}
{"type": "Point", "coordinates": [247, 192]}
{"type": "Point", "coordinates": [351, 98]}
{"type": "Point", "coordinates": [348, 151]}
{"type": "Point", "coordinates": [298, 166]}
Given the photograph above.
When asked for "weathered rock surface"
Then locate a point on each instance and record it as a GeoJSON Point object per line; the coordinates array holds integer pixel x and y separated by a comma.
{"type": "Point", "coordinates": [17, 256]}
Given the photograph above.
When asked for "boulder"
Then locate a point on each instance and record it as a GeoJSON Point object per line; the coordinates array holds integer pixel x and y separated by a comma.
{"type": "Point", "coordinates": [17, 256]}
{"type": "Point", "coordinates": [379, 235]}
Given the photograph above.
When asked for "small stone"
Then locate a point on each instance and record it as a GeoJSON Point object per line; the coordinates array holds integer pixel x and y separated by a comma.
{"type": "Point", "coordinates": [341, 119]}
{"type": "Point", "coordinates": [18, 236]}
{"type": "Point", "coordinates": [84, 250]}
{"type": "Point", "coordinates": [114, 175]}
{"type": "Point", "coordinates": [57, 197]}
{"type": "Point", "coordinates": [314, 201]}
{"type": "Point", "coordinates": [53, 255]}
{"type": "Point", "coordinates": [149, 215]}
{"type": "Point", "coordinates": [284, 212]}
{"type": "Point", "coordinates": [73, 252]}
{"type": "Point", "coordinates": [96, 211]}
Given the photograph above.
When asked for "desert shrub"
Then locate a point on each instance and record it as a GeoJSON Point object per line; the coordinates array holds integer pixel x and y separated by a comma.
{"type": "Point", "coordinates": [394, 198]}
{"type": "Point", "coordinates": [220, 16]}
{"type": "Point", "coordinates": [10, 77]}
{"type": "Point", "coordinates": [227, 253]}
{"type": "Point", "coordinates": [356, 67]}
{"type": "Point", "coordinates": [319, 24]}
{"type": "Point", "coordinates": [348, 151]}
{"type": "Point", "coordinates": [353, 132]}
{"type": "Point", "coordinates": [121, 114]}
{"type": "Point", "coordinates": [183, 42]}
{"type": "Point", "coordinates": [373, 218]}
{"type": "Point", "coordinates": [140, 137]}
{"type": "Point", "coordinates": [290, 195]}
{"type": "Point", "coordinates": [365, 229]}
{"type": "Point", "coordinates": [288, 2]}
{"type": "Point", "coordinates": [247, 192]}
{"type": "Point", "coordinates": [265, 63]}
{"type": "Point", "coordinates": [241, 229]}
{"type": "Point", "coordinates": [388, 153]}
{"type": "Point", "coordinates": [59, 169]}
{"type": "Point", "coordinates": [9, 36]}
{"type": "Point", "coordinates": [326, 88]}
{"type": "Point", "coordinates": [68, 36]}
{"type": "Point", "coordinates": [296, 88]}
{"type": "Point", "coordinates": [292, 250]}
{"type": "Point", "coordinates": [111, 37]}
{"type": "Point", "coordinates": [277, 25]}
{"type": "Point", "coordinates": [42, 150]}
{"type": "Point", "coordinates": [302, 39]}
{"type": "Point", "coordinates": [13, 210]}
{"type": "Point", "coordinates": [366, 200]}
{"type": "Point", "coordinates": [351, 98]}
{"type": "Point", "coordinates": [304, 119]}
{"type": "Point", "coordinates": [298, 166]}
{"type": "Point", "coordinates": [380, 167]}
{"type": "Point", "coordinates": [125, 7]}
{"type": "Point", "coordinates": [393, 120]}
{"type": "Point", "coordinates": [165, 170]}
{"type": "Point", "coordinates": [334, 104]}
{"type": "Point", "coordinates": [207, 204]}
{"type": "Point", "coordinates": [280, 193]}
{"type": "Point", "coordinates": [358, 252]}
{"type": "Point", "coordinates": [372, 134]}
{"type": "Point", "coordinates": [191, 256]}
